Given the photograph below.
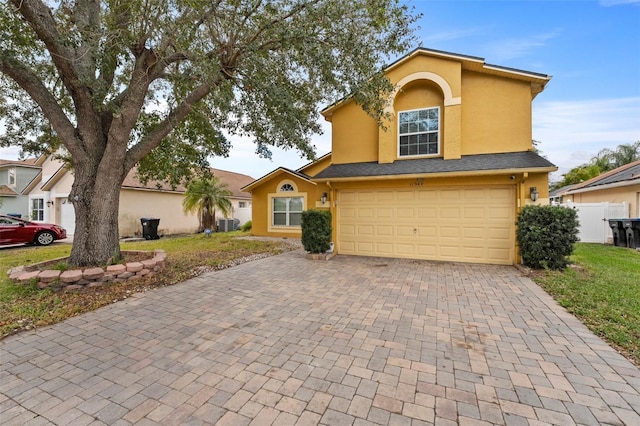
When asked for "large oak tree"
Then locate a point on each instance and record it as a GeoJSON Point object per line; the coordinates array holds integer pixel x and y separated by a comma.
{"type": "Point", "coordinates": [156, 83]}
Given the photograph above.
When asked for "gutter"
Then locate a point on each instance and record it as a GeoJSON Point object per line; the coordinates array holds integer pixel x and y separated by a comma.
{"type": "Point", "coordinates": [435, 175]}
{"type": "Point", "coordinates": [605, 186]}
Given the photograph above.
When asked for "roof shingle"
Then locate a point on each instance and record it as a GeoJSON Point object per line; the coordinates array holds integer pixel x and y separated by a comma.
{"type": "Point", "coordinates": [235, 181]}
{"type": "Point", "coordinates": [467, 163]}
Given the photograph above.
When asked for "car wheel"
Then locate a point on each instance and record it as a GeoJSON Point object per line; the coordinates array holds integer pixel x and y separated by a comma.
{"type": "Point", "coordinates": [45, 238]}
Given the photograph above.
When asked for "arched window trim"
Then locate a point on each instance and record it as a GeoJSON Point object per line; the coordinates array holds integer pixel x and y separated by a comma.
{"type": "Point", "coordinates": [287, 186]}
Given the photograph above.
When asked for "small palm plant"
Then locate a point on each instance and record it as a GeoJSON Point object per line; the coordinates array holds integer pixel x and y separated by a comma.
{"type": "Point", "coordinates": [204, 196]}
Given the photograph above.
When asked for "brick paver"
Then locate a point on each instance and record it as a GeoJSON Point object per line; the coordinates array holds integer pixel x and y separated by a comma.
{"type": "Point", "coordinates": [286, 340]}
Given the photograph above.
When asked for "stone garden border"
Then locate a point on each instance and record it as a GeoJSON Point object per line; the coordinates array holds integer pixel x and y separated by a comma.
{"type": "Point", "coordinates": [75, 279]}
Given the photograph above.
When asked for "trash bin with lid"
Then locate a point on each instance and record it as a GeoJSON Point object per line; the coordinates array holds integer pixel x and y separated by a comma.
{"type": "Point", "coordinates": [150, 228]}
{"type": "Point", "coordinates": [632, 231]}
{"type": "Point", "coordinates": [619, 233]}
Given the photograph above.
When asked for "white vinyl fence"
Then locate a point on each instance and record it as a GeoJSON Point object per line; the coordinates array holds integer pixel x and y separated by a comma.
{"type": "Point", "coordinates": [594, 220]}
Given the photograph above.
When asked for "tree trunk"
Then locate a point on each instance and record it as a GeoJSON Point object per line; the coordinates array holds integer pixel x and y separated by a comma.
{"type": "Point", "coordinates": [207, 222]}
{"type": "Point", "coordinates": [96, 197]}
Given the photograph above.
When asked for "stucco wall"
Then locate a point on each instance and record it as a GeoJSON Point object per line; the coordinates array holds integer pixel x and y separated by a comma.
{"type": "Point", "coordinates": [496, 114]}
{"type": "Point", "coordinates": [136, 204]}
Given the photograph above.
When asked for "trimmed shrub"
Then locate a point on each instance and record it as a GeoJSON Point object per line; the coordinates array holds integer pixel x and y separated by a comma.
{"type": "Point", "coordinates": [246, 226]}
{"type": "Point", "coordinates": [546, 235]}
{"type": "Point", "coordinates": [316, 230]}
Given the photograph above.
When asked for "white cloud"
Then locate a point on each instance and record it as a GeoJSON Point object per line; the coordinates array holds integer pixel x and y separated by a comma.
{"type": "Point", "coordinates": [243, 158]}
{"type": "Point", "coordinates": [10, 153]}
{"type": "Point", "coordinates": [504, 50]}
{"type": "Point", "coordinates": [571, 132]}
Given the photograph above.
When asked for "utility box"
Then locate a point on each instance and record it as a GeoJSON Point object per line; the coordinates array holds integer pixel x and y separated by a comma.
{"type": "Point", "coordinates": [225, 225]}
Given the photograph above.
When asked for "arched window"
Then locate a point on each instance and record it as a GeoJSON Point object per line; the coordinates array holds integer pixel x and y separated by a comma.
{"type": "Point", "coordinates": [287, 187]}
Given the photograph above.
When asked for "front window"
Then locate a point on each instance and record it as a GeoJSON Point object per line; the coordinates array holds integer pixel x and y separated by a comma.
{"type": "Point", "coordinates": [419, 132]}
{"type": "Point", "coordinates": [37, 209]}
{"type": "Point", "coordinates": [287, 211]}
{"type": "Point", "coordinates": [12, 176]}
{"type": "Point", "coordinates": [242, 204]}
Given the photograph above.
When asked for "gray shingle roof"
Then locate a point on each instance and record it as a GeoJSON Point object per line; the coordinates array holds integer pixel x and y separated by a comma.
{"type": "Point", "coordinates": [630, 173]}
{"type": "Point", "coordinates": [505, 161]}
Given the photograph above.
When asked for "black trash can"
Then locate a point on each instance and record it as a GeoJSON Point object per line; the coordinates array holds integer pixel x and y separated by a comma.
{"type": "Point", "coordinates": [150, 228]}
{"type": "Point", "coordinates": [632, 231]}
{"type": "Point", "coordinates": [16, 215]}
{"type": "Point", "coordinates": [619, 233]}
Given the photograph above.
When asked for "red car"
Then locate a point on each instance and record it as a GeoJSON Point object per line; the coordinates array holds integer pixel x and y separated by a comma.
{"type": "Point", "coordinates": [18, 231]}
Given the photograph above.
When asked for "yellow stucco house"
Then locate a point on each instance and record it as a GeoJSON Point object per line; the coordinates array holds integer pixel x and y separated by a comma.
{"type": "Point", "coordinates": [443, 181]}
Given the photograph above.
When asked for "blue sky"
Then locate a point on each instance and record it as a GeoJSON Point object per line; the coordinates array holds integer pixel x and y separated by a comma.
{"type": "Point", "coordinates": [591, 48]}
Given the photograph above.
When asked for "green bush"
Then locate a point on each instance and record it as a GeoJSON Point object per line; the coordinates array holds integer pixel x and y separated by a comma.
{"type": "Point", "coordinates": [546, 235]}
{"type": "Point", "coordinates": [316, 230]}
{"type": "Point", "coordinates": [246, 226]}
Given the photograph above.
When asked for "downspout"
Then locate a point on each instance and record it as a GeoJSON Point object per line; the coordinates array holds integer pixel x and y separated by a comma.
{"type": "Point", "coordinates": [334, 220]}
{"type": "Point", "coordinates": [521, 201]}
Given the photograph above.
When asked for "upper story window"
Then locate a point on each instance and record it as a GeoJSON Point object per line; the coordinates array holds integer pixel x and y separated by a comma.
{"type": "Point", "coordinates": [287, 187]}
{"type": "Point", "coordinates": [12, 176]}
{"type": "Point", "coordinates": [419, 132]}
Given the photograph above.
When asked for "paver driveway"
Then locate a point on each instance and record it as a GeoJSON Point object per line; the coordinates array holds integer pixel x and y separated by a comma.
{"type": "Point", "coordinates": [286, 340]}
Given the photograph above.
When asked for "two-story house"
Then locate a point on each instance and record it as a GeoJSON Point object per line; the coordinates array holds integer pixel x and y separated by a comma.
{"type": "Point", "coordinates": [444, 178]}
{"type": "Point", "coordinates": [15, 175]}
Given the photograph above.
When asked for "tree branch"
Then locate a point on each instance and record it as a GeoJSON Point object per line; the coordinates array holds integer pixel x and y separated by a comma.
{"type": "Point", "coordinates": [32, 84]}
{"type": "Point", "coordinates": [39, 18]}
{"type": "Point", "coordinates": [175, 117]}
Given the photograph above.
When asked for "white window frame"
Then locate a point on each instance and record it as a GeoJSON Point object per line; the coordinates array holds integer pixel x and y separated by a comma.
{"type": "Point", "coordinates": [436, 132]}
{"type": "Point", "coordinates": [37, 212]}
{"type": "Point", "coordinates": [287, 211]}
{"type": "Point", "coordinates": [242, 204]}
{"type": "Point", "coordinates": [11, 178]}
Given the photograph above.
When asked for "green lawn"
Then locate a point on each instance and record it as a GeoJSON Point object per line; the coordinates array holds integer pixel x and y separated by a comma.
{"type": "Point", "coordinates": [602, 289]}
{"type": "Point", "coordinates": [25, 307]}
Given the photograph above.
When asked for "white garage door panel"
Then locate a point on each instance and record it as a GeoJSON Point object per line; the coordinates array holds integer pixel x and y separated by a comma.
{"type": "Point", "coordinates": [456, 224]}
{"type": "Point", "coordinates": [67, 216]}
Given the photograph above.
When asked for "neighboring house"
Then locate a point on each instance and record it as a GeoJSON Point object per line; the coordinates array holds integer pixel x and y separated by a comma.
{"type": "Point", "coordinates": [152, 200]}
{"type": "Point", "coordinates": [14, 177]}
{"type": "Point", "coordinates": [443, 181]}
{"type": "Point", "coordinates": [615, 186]}
{"type": "Point", "coordinates": [557, 195]}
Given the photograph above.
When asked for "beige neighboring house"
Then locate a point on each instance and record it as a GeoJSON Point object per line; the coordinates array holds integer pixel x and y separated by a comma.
{"type": "Point", "coordinates": [52, 186]}
{"type": "Point", "coordinates": [615, 186]}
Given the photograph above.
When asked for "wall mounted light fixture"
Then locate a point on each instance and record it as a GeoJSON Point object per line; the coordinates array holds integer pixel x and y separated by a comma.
{"type": "Point", "coordinates": [533, 193]}
{"type": "Point", "coordinates": [323, 198]}
{"type": "Point", "coordinates": [49, 203]}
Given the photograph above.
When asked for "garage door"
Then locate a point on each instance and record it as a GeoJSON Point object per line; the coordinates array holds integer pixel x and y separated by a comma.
{"type": "Point", "coordinates": [451, 224]}
{"type": "Point", "coordinates": [67, 216]}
